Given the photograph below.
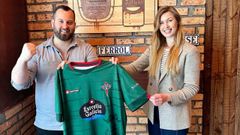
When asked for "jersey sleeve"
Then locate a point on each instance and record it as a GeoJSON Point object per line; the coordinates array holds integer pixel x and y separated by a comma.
{"type": "Point", "coordinates": [58, 96]}
{"type": "Point", "coordinates": [134, 95]}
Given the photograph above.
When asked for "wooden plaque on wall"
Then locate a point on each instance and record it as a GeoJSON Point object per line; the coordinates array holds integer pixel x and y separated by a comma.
{"type": "Point", "coordinates": [105, 16]}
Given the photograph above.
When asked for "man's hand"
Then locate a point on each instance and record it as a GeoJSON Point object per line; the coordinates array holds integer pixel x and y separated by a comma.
{"type": "Point", "coordinates": [61, 65]}
{"type": "Point", "coordinates": [114, 60]}
{"type": "Point", "coordinates": [19, 73]}
{"type": "Point", "coordinates": [28, 50]}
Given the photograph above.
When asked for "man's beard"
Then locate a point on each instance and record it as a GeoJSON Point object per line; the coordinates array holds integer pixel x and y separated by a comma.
{"type": "Point", "coordinates": [64, 37]}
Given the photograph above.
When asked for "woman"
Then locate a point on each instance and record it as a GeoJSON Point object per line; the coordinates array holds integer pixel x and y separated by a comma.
{"type": "Point", "coordinates": [173, 67]}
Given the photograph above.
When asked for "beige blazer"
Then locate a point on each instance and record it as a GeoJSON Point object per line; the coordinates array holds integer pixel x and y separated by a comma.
{"type": "Point", "coordinates": [174, 115]}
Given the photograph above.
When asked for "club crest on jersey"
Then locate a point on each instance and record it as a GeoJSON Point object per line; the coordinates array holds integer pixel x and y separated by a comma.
{"type": "Point", "coordinates": [106, 86]}
{"type": "Point", "coordinates": [92, 110]}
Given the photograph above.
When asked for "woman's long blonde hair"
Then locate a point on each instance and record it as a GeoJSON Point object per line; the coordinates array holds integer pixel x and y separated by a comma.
{"type": "Point", "coordinates": [159, 41]}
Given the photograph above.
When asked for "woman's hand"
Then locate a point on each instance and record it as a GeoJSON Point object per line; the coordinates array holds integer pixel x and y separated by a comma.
{"type": "Point", "coordinates": [159, 99]}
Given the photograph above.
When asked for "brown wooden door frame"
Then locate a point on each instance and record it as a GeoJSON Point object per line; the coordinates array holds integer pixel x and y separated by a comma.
{"type": "Point", "coordinates": [13, 27]}
{"type": "Point", "coordinates": [206, 75]}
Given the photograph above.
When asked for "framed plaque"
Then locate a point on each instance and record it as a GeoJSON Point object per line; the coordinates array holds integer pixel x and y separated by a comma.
{"type": "Point", "coordinates": [105, 16]}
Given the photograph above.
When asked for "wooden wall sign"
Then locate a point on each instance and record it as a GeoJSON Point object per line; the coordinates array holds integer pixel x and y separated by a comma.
{"type": "Point", "coordinates": [105, 16]}
{"type": "Point", "coordinates": [114, 50]}
{"type": "Point", "coordinates": [193, 39]}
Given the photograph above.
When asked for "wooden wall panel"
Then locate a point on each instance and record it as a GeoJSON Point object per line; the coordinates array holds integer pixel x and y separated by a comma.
{"type": "Point", "coordinates": [237, 94]}
{"type": "Point", "coordinates": [224, 110]}
{"type": "Point", "coordinates": [217, 67]}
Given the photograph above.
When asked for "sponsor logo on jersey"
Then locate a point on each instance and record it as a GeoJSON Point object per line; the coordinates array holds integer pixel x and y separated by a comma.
{"type": "Point", "coordinates": [71, 91]}
{"type": "Point", "coordinates": [92, 110]}
{"type": "Point", "coordinates": [134, 86]}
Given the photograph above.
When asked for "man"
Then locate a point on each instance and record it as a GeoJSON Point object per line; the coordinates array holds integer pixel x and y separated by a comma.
{"type": "Point", "coordinates": [39, 63]}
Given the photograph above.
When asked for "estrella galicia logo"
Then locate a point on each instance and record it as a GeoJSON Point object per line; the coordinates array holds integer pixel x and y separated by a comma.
{"type": "Point", "coordinates": [92, 110]}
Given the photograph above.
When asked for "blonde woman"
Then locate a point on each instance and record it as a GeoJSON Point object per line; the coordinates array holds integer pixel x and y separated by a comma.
{"type": "Point", "coordinates": [173, 67]}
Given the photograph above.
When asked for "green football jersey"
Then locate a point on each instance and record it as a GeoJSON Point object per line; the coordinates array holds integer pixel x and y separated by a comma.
{"type": "Point", "coordinates": [90, 98]}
